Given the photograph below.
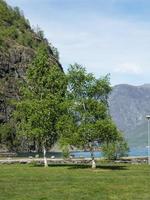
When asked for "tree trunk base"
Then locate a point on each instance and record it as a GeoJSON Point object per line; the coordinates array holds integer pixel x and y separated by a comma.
{"type": "Point", "coordinates": [93, 164]}
{"type": "Point", "coordinates": [45, 159]}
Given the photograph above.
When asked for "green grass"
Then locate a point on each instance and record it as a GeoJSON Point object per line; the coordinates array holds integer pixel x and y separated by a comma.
{"type": "Point", "coordinates": [24, 182]}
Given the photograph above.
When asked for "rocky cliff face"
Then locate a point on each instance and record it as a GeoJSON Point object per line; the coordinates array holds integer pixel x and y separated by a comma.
{"type": "Point", "coordinates": [128, 106]}
{"type": "Point", "coordinates": [18, 45]}
{"type": "Point", "coordinates": [14, 62]}
{"type": "Point", "coordinates": [12, 67]}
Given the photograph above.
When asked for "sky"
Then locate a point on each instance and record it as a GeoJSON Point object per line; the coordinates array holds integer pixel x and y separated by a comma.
{"type": "Point", "coordinates": [104, 36]}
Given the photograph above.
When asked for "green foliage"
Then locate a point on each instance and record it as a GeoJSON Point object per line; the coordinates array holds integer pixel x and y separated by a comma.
{"type": "Point", "coordinates": [86, 119]}
{"type": "Point", "coordinates": [115, 150]}
{"type": "Point", "coordinates": [50, 79]}
{"type": "Point", "coordinates": [38, 110]}
{"type": "Point", "coordinates": [15, 27]}
{"type": "Point", "coordinates": [65, 151]}
{"type": "Point", "coordinates": [12, 21]}
{"type": "Point", "coordinates": [8, 138]}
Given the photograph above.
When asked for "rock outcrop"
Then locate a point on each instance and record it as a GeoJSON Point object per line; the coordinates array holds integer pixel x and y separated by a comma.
{"type": "Point", "coordinates": [18, 46]}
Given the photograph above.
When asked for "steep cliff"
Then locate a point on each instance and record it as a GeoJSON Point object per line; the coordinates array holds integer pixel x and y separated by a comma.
{"type": "Point", "coordinates": [18, 46]}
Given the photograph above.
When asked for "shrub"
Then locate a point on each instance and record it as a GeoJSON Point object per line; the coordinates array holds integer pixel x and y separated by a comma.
{"type": "Point", "coordinates": [115, 150]}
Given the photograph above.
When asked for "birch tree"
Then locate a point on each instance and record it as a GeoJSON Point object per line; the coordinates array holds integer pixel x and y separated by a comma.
{"type": "Point", "coordinates": [89, 123]}
{"type": "Point", "coordinates": [38, 109]}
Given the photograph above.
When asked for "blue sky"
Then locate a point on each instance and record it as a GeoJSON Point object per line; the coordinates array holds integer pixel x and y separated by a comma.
{"type": "Point", "coordinates": [105, 36]}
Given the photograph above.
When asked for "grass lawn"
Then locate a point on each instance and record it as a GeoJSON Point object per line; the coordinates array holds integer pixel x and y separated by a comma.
{"type": "Point", "coordinates": [24, 182]}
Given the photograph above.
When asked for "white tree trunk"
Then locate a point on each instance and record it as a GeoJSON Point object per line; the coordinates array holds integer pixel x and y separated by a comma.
{"type": "Point", "coordinates": [45, 159]}
{"type": "Point", "coordinates": [93, 161]}
{"type": "Point", "coordinates": [93, 164]}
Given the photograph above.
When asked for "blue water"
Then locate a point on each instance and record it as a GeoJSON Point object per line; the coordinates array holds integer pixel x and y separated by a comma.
{"type": "Point", "coordinates": [138, 152]}
{"type": "Point", "coordinates": [77, 154]}
{"type": "Point", "coordinates": [98, 154]}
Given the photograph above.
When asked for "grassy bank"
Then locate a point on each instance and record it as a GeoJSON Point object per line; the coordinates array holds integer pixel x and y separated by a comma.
{"type": "Point", "coordinates": [123, 182]}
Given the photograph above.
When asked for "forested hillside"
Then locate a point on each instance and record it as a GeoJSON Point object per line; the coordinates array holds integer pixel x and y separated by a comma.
{"type": "Point", "coordinates": [18, 46]}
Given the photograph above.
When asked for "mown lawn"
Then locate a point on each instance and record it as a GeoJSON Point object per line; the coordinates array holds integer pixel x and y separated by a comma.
{"type": "Point", "coordinates": [24, 182]}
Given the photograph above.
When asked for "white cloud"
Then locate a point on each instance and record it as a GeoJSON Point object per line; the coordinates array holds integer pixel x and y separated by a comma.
{"type": "Point", "coordinates": [129, 68]}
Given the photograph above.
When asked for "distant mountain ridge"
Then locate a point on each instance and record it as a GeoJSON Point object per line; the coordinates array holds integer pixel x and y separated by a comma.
{"type": "Point", "coordinates": [128, 107]}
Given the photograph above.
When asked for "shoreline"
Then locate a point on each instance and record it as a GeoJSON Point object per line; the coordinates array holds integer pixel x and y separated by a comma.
{"type": "Point", "coordinates": [13, 160]}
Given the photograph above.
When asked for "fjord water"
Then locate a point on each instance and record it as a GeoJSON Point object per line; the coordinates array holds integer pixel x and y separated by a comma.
{"type": "Point", "coordinates": [86, 154]}
{"type": "Point", "coordinates": [133, 152]}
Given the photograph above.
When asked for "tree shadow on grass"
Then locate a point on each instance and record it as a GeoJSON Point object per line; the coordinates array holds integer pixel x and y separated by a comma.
{"type": "Point", "coordinates": [107, 166]}
{"type": "Point", "coordinates": [86, 166]}
{"type": "Point", "coordinates": [103, 167]}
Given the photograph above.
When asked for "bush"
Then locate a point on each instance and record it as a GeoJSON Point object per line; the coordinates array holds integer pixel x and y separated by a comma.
{"type": "Point", "coordinates": [115, 150]}
{"type": "Point", "coordinates": [65, 152]}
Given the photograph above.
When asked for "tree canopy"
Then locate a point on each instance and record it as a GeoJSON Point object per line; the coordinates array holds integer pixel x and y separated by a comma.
{"type": "Point", "coordinates": [39, 108]}
{"type": "Point", "coordinates": [87, 122]}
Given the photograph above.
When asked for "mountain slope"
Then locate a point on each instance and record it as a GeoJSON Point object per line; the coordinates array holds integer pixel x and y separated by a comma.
{"type": "Point", "coordinates": [128, 106]}
{"type": "Point", "coordinates": [137, 137]}
{"type": "Point", "coordinates": [18, 46]}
